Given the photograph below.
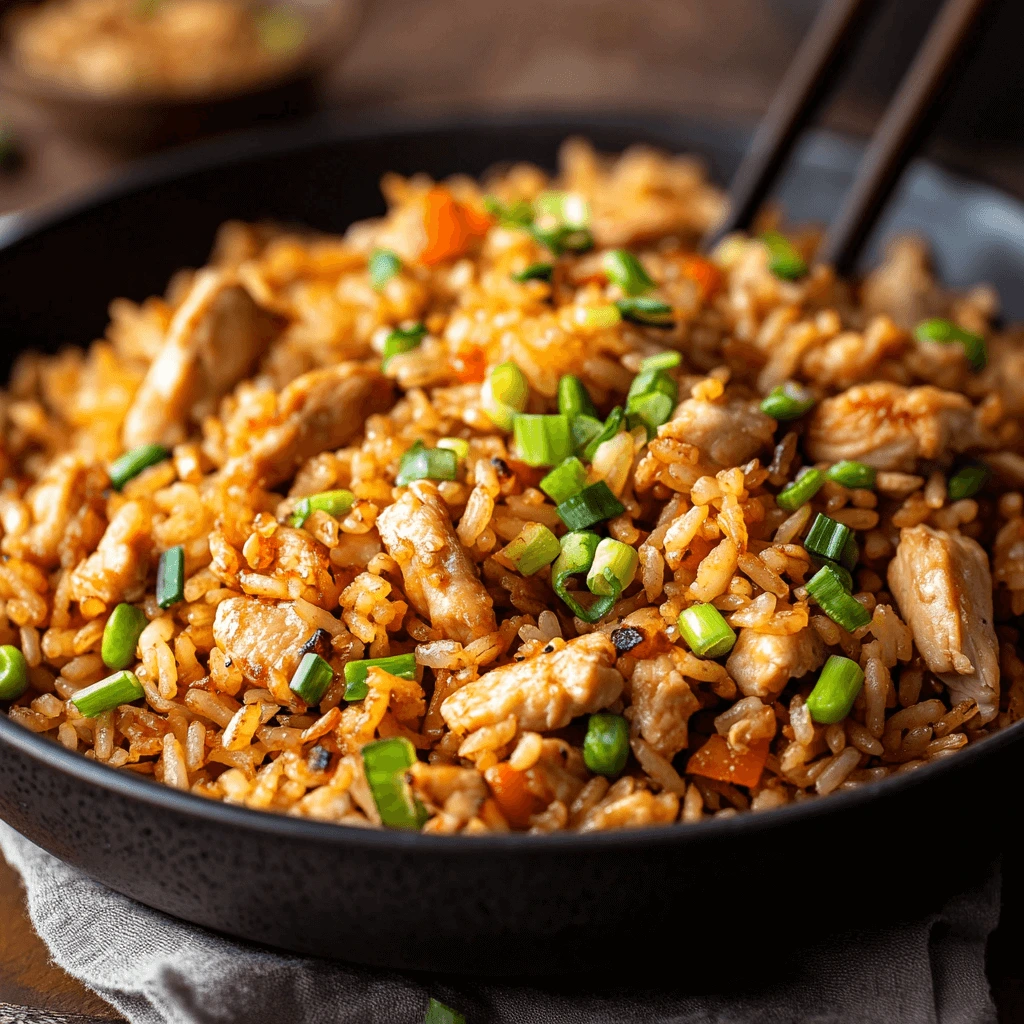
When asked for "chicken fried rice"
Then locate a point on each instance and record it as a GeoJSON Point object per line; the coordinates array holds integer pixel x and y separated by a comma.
{"type": "Point", "coordinates": [508, 510]}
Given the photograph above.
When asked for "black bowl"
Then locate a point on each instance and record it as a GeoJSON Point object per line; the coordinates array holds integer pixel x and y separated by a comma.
{"type": "Point", "coordinates": [504, 903]}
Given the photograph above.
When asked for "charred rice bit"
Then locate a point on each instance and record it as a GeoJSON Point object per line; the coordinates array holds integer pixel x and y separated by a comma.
{"type": "Point", "coordinates": [284, 410]}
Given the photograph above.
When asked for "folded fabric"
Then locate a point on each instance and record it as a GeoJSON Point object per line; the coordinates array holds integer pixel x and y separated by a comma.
{"type": "Point", "coordinates": [158, 970]}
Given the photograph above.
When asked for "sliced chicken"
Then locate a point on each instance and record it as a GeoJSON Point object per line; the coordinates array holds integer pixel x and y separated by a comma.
{"type": "Point", "coordinates": [545, 692]}
{"type": "Point", "coordinates": [262, 638]}
{"type": "Point", "coordinates": [319, 411]}
{"type": "Point", "coordinates": [119, 565]}
{"type": "Point", "coordinates": [728, 433]}
{"type": "Point", "coordinates": [440, 580]}
{"type": "Point", "coordinates": [943, 586]}
{"type": "Point", "coordinates": [214, 340]}
{"type": "Point", "coordinates": [762, 664]}
{"type": "Point", "coordinates": [663, 703]}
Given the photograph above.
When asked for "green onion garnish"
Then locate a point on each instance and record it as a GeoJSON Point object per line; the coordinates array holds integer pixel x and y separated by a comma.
{"type": "Point", "coordinates": [121, 635]}
{"type": "Point", "coordinates": [573, 398]}
{"type": "Point", "coordinates": [652, 398]}
{"type": "Point", "coordinates": [783, 259]}
{"type": "Point", "coordinates": [107, 694]}
{"type": "Point", "coordinates": [601, 316]}
{"type": "Point", "coordinates": [534, 272]}
{"type": "Point", "coordinates": [837, 687]}
{"type": "Point", "coordinates": [613, 568]}
{"type": "Point", "coordinates": [565, 480]}
{"type": "Point", "coordinates": [829, 589]}
{"type": "Point", "coordinates": [13, 673]}
{"type": "Point", "coordinates": [334, 503]}
{"type": "Point", "coordinates": [383, 265]}
{"type": "Point", "coordinates": [606, 745]}
{"type": "Point", "coordinates": [516, 215]}
{"type": "Point", "coordinates": [592, 505]}
{"type": "Point", "coordinates": [577, 555]}
{"type": "Point", "coordinates": [704, 629]}
{"type": "Point", "coordinates": [385, 763]}
{"type": "Point", "coordinates": [801, 490]}
{"type": "Point", "coordinates": [534, 547]}
{"type": "Point", "coordinates": [564, 239]}
{"type": "Point", "coordinates": [455, 444]}
{"type": "Point", "coordinates": [504, 393]}
{"type": "Point", "coordinates": [662, 361]}
{"type": "Point", "coordinates": [827, 538]}
{"type": "Point", "coordinates": [968, 480]}
{"type": "Point", "coordinates": [542, 440]}
{"type": "Point", "coordinates": [132, 463]}
{"type": "Point", "coordinates": [402, 665]}
{"type": "Point", "coordinates": [401, 339]}
{"type": "Point", "coordinates": [853, 474]}
{"type": "Point", "coordinates": [423, 463]}
{"type": "Point", "coordinates": [584, 430]}
{"type": "Point", "coordinates": [788, 401]}
{"type": "Point", "coordinates": [612, 425]}
{"type": "Point", "coordinates": [945, 332]}
{"type": "Point", "coordinates": [625, 270]}
{"type": "Point", "coordinates": [438, 1013]}
{"type": "Point", "coordinates": [562, 222]}
{"type": "Point", "coordinates": [646, 312]}
{"type": "Point", "coordinates": [170, 577]}
{"type": "Point", "coordinates": [311, 678]}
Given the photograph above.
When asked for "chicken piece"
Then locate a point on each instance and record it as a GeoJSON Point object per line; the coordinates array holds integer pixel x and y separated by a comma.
{"type": "Point", "coordinates": [262, 638]}
{"type": "Point", "coordinates": [1004, 373]}
{"type": "Point", "coordinates": [320, 411]}
{"type": "Point", "coordinates": [890, 427]}
{"type": "Point", "coordinates": [120, 562]}
{"type": "Point", "coordinates": [943, 586]}
{"type": "Point", "coordinates": [53, 502]}
{"type": "Point", "coordinates": [545, 692]}
{"type": "Point", "coordinates": [440, 580]}
{"type": "Point", "coordinates": [903, 285]}
{"type": "Point", "coordinates": [762, 664]}
{"type": "Point", "coordinates": [663, 703]}
{"type": "Point", "coordinates": [215, 338]}
{"type": "Point", "coordinates": [728, 432]}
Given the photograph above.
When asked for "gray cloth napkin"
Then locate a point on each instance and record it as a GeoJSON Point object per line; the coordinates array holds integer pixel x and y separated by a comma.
{"type": "Point", "coordinates": [157, 970]}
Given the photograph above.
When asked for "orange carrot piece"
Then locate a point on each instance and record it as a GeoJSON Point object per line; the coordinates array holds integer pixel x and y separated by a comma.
{"type": "Point", "coordinates": [717, 760]}
{"type": "Point", "coordinates": [704, 273]}
{"type": "Point", "coordinates": [451, 226]}
{"type": "Point", "coordinates": [470, 364]}
{"type": "Point", "coordinates": [512, 795]}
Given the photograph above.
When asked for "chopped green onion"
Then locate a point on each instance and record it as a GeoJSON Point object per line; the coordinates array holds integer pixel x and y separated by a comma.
{"type": "Point", "coordinates": [646, 312]}
{"type": "Point", "coordinates": [121, 635]}
{"type": "Point", "coordinates": [829, 589]}
{"type": "Point", "coordinates": [516, 215]}
{"type": "Point", "coordinates": [455, 444]}
{"type": "Point", "coordinates": [567, 207]}
{"type": "Point", "coordinates": [788, 401]}
{"type": "Point", "coordinates": [383, 265]}
{"type": "Point", "coordinates": [783, 259]}
{"type": "Point", "coordinates": [13, 673]}
{"type": "Point", "coordinates": [600, 316]}
{"type": "Point", "coordinates": [625, 270]}
{"type": "Point", "coordinates": [611, 427]}
{"type": "Point", "coordinates": [613, 568]}
{"type": "Point", "coordinates": [438, 1013]}
{"type": "Point", "coordinates": [853, 474]}
{"type": "Point", "coordinates": [573, 398]}
{"type": "Point", "coordinates": [542, 440]}
{"type": "Point", "coordinates": [132, 463]}
{"type": "Point", "coordinates": [422, 463]}
{"type": "Point", "coordinates": [107, 694]}
{"type": "Point", "coordinates": [801, 490]}
{"type": "Point", "coordinates": [827, 538]}
{"type": "Point", "coordinates": [706, 631]}
{"type": "Point", "coordinates": [311, 678]}
{"type": "Point", "coordinates": [334, 503]}
{"type": "Point", "coordinates": [564, 239]}
{"type": "Point", "coordinates": [504, 393]}
{"type": "Point", "coordinates": [837, 687]}
{"type": "Point", "coordinates": [534, 547]}
{"type": "Point", "coordinates": [401, 665]}
{"type": "Point", "coordinates": [280, 29]}
{"type": "Point", "coordinates": [170, 577]}
{"type": "Point", "coordinates": [401, 340]}
{"type": "Point", "coordinates": [565, 480]}
{"type": "Point", "coordinates": [652, 398]}
{"type": "Point", "coordinates": [578, 550]}
{"type": "Point", "coordinates": [385, 763]}
{"type": "Point", "coordinates": [606, 745]}
{"type": "Point", "coordinates": [534, 272]}
{"type": "Point", "coordinates": [584, 430]}
{"type": "Point", "coordinates": [945, 332]}
{"type": "Point", "coordinates": [662, 361]}
{"type": "Point", "coordinates": [562, 222]}
{"type": "Point", "coordinates": [592, 505]}
{"type": "Point", "coordinates": [967, 481]}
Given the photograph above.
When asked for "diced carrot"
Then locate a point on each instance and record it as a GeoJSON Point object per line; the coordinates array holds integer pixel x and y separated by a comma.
{"type": "Point", "coordinates": [717, 760]}
{"type": "Point", "coordinates": [470, 364]}
{"type": "Point", "coordinates": [706, 275]}
{"type": "Point", "coordinates": [512, 794]}
{"type": "Point", "coordinates": [451, 226]}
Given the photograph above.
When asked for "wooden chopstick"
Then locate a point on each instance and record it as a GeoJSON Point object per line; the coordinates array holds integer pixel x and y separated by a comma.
{"type": "Point", "coordinates": [818, 62]}
{"type": "Point", "coordinates": [901, 129]}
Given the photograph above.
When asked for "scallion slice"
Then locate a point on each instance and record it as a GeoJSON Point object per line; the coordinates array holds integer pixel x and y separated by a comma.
{"type": "Point", "coordinates": [606, 745]}
{"type": "Point", "coordinates": [455, 444]}
{"type": "Point", "coordinates": [107, 694]}
{"type": "Point", "coordinates": [503, 394]}
{"type": "Point", "coordinates": [827, 538]}
{"type": "Point", "coordinates": [132, 463]}
{"type": "Point", "coordinates": [312, 678]}
{"type": "Point", "coordinates": [788, 401]}
{"type": "Point", "coordinates": [385, 763]}
{"type": "Point", "coordinates": [121, 635]}
{"type": "Point", "coordinates": [646, 312]}
{"type": "Point", "coordinates": [967, 481]}
{"type": "Point", "coordinates": [438, 1013]}
{"type": "Point", "coordinates": [853, 474]}
{"type": "Point", "coordinates": [573, 398]}
{"type": "Point", "coordinates": [598, 317]}
{"type": "Point", "coordinates": [626, 271]}
{"type": "Point", "coordinates": [401, 665]}
{"type": "Point", "coordinates": [515, 215]}
{"type": "Point", "coordinates": [531, 549]}
{"type": "Point", "coordinates": [13, 672]}
{"type": "Point", "coordinates": [783, 259]}
{"type": "Point", "coordinates": [828, 588]}
{"type": "Point", "coordinates": [534, 272]}
{"type": "Point", "coordinates": [423, 463]}
{"type": "Point", "coordinates": [801, 490]}
{"type": "Point", "coordinates": [561, 222]}
{"type": "Point", "coordinates": [383, 265]}
{"type": "Point", "coordinates": [613, 568]}
{"type": "Point", "coordinates": [945, 332]}
{"type": "Point", "coordinates": [334, 503]}
{"type": "Point", "coordinates": [577, 555]}
{"type": "Point", "coordinates": [612, 425]}
{"type": "Point", "coordinates": [584, 430]}
{"type": "Point", "coordinates": [704, 629]}
{"type": "Point", "coordinates": [542, 440]}
{"type": "Point", "coordinates": [662, 361]}
{"type": "Point", "coordinates": [400, 340]}
{"type": "Point", "coordinates": [652, 398]}
{"type": "Point", "coordinates": [565, 480]}
{"type": "Point", "coordinates": [170, 577]}
{"type": "Point", "coordinates": [593, 504]}
{"type": "Point", "coordinates": [837, 687]}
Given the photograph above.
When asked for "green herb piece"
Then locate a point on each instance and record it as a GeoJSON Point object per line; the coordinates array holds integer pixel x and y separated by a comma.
{"type": "Point", "coordinates": [107, 694]}
{"type": "Point", "coordinates": [121, 635]}
{"type": "Point", "coordinates": [606, 745]}
{"type": "Point", "coordinates": [837, 687]}
{"type": "Point", "coordinates": [131, 464]}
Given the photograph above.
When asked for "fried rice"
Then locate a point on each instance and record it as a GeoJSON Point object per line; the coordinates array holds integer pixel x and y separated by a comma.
{"type": "Point", "coordinates": [299, 365]}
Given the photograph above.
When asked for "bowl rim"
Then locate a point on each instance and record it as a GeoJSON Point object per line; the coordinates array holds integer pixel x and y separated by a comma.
{"type": "Point", "coordinates": [326, 129]}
